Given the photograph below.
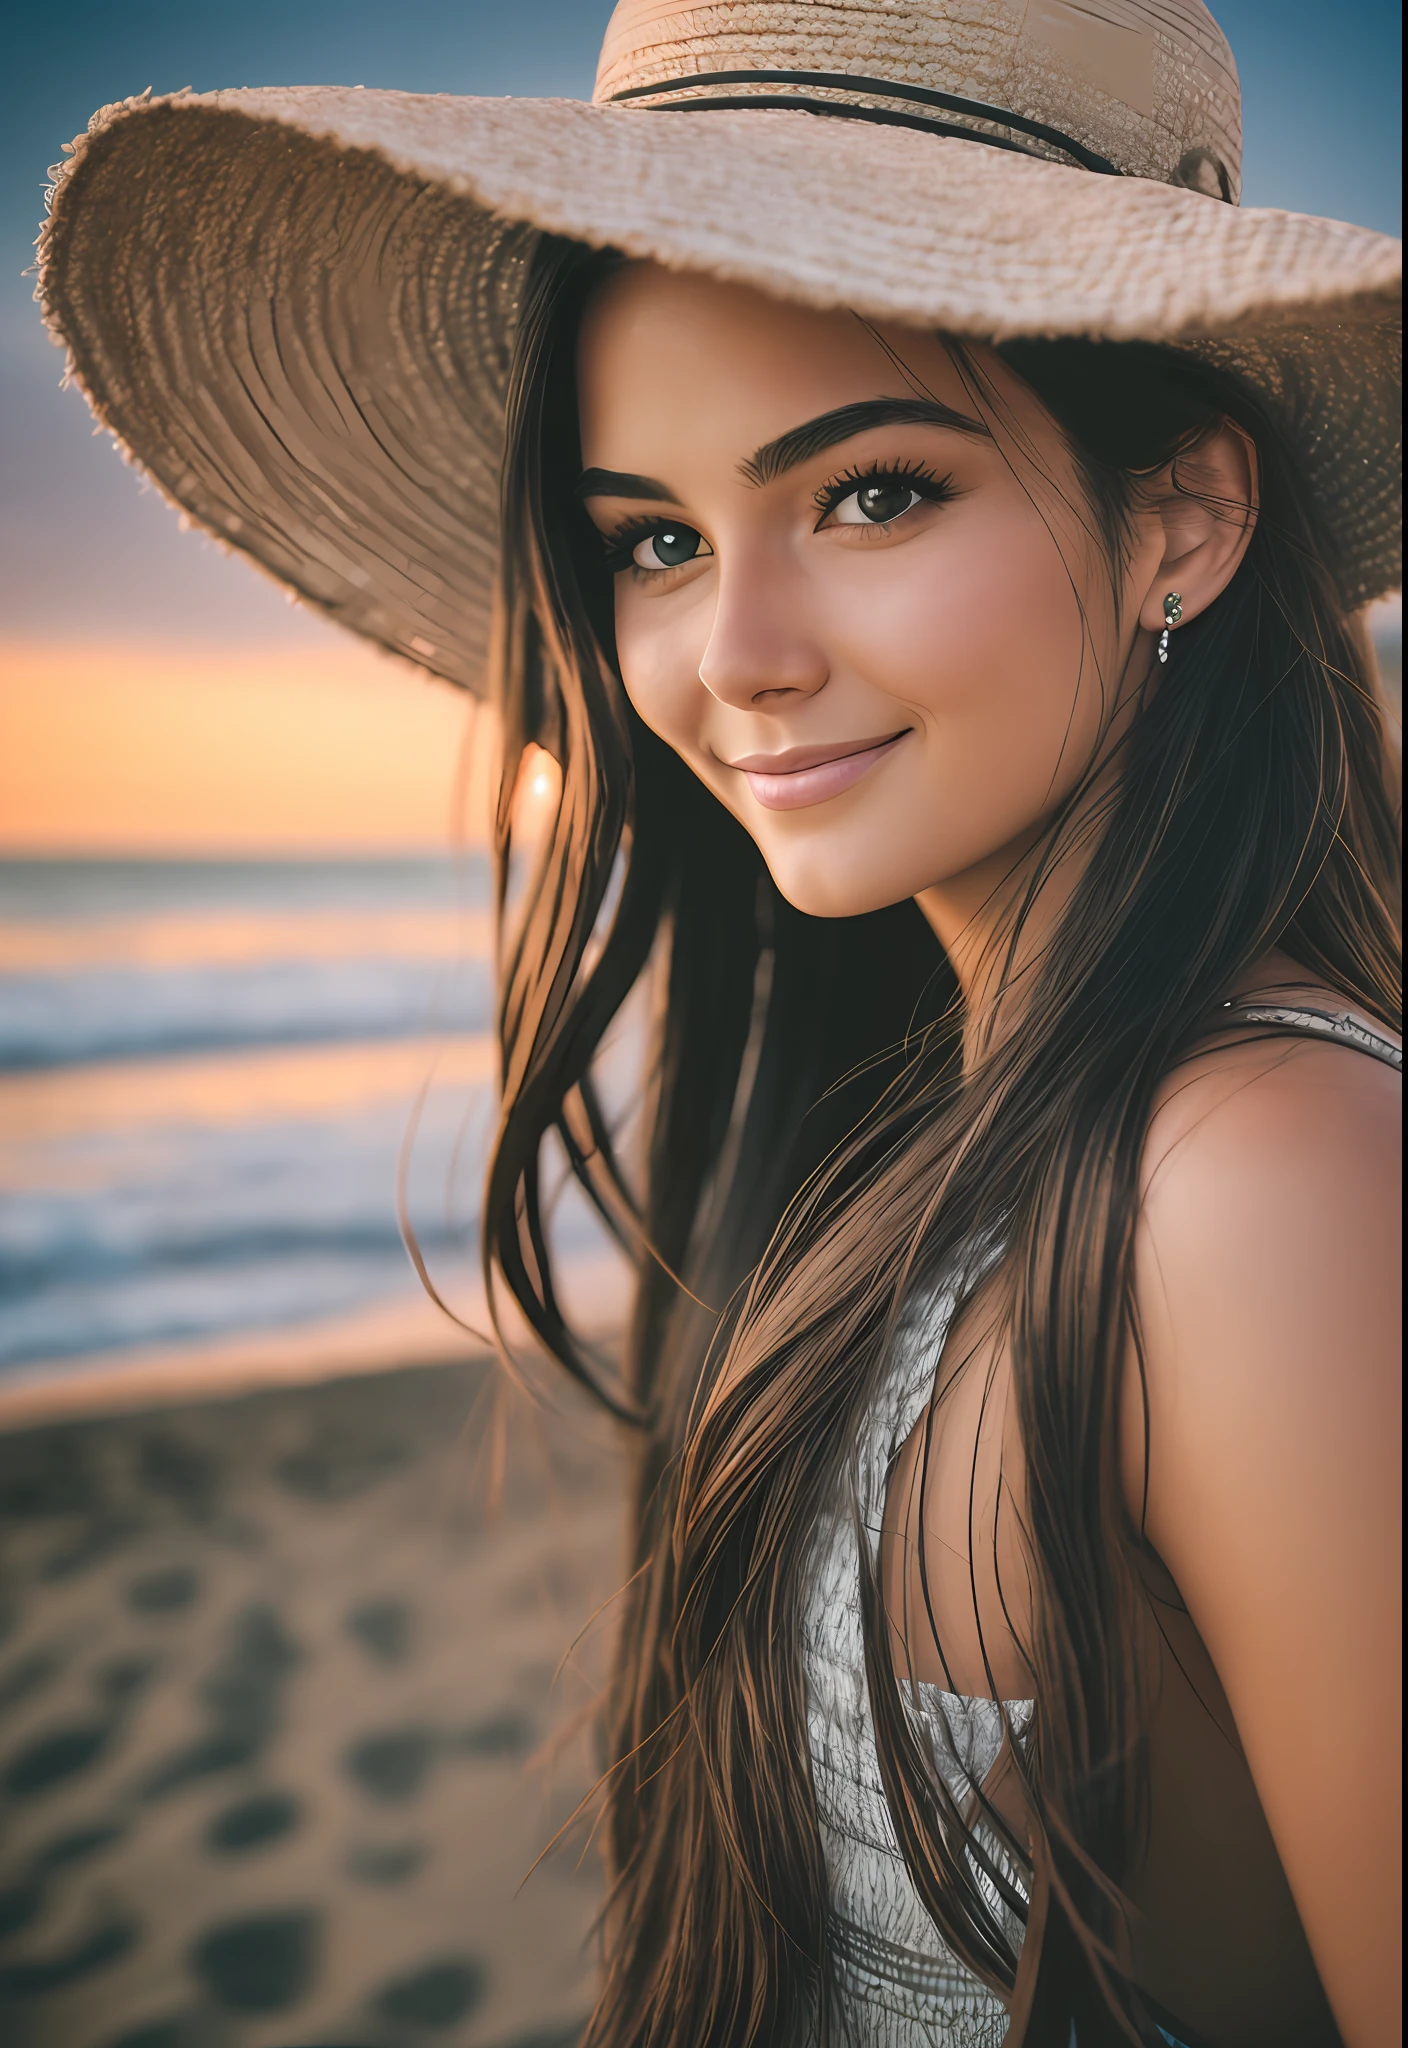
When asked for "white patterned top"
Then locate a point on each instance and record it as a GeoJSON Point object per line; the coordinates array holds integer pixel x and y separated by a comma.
{"type": "Point", "coordinates": [898, 1984]}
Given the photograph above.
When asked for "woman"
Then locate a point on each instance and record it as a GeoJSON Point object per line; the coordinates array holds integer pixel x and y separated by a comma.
{"type": "Point", "coordinates": [930, 540]}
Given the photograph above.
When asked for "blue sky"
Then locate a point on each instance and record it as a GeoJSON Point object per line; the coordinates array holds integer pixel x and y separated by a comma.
{"type": "Point", "coordinates": [83, 552]}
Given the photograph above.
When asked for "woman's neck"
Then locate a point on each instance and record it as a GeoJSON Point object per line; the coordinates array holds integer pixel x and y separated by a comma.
{"type": "Point", "coordinates": [996, 919]}
{"type": "Point", "coordinates": [995, 922]}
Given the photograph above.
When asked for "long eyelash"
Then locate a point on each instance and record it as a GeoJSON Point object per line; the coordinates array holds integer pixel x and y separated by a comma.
{"type": "Point", "coordinates": [621, 544]}
{"type": "Point", "coordinates": [917, 475]}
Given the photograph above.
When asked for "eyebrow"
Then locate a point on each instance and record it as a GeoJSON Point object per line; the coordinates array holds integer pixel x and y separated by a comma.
{"type": "Point", "coordinates": [622, 483]}
{"type": "Point", "coordinates": [800, 444]}
{"type": "Point", "coordinates": [797, 445]}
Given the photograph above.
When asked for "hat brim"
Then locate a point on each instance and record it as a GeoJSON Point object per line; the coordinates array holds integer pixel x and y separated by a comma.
{"type": "Point", "coordinates": [294, 308]}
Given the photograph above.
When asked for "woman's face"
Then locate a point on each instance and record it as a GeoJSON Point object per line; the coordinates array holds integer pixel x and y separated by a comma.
{"type": "Point", "coordinates": [874, 619]}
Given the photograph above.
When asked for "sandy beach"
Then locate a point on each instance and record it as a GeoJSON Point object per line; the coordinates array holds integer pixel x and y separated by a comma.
{"type": "Point", "coordinates": [282, 1726]}
{"type": "Point", "coordinates": [282, 1723]}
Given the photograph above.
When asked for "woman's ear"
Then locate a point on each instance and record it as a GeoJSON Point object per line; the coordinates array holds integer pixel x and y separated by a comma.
{"type": "Point", "coordinates": [1206, 503]}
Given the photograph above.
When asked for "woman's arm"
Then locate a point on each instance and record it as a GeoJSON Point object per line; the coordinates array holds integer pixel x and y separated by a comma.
{"type": "Point", "coordinates": [1269, 1292]}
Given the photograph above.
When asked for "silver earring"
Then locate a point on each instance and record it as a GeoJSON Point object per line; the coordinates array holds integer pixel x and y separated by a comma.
{"type": "Point", "coordinates": [1173, 612]}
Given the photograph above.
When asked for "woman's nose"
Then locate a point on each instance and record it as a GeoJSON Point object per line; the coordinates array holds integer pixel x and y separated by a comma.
{"type": "Point", "coordinates": [760, 645]}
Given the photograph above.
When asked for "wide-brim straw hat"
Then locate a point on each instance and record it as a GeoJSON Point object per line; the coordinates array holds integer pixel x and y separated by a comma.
{"type": "Point", "coordinates": [294, 308]}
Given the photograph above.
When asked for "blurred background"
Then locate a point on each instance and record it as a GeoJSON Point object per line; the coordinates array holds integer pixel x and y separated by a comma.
{"type": "Point", "coordinates": [281, 1721]}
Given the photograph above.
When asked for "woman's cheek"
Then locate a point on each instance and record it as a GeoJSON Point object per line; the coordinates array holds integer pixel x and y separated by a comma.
{"type": "Point", "coordinates": [985, 614]}
{"type": "Point", "coordinates": [659, 662]}
{"type": "Point", "coordinates": [649, 660]}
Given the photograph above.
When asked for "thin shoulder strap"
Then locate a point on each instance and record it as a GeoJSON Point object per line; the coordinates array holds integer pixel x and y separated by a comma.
{"type": "Point", "coordinates": [1337, 1025]}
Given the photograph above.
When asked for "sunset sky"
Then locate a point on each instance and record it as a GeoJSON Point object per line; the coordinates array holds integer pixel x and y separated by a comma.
{"type": "Point", "coordinates": [155, 694]}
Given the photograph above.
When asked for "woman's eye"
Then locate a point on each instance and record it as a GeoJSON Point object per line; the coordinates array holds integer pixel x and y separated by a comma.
{"type": "Point", "coordinates": [876, 504]}
{"type": "Point", "coordinates": [667, 547]}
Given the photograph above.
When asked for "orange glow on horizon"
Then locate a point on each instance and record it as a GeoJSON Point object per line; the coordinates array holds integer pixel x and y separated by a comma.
{"type": "Point", "coordinates": [199, 750]}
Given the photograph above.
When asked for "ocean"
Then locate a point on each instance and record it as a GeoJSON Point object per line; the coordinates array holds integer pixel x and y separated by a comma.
{"type": "Point", "coordinates": [208, 1073]}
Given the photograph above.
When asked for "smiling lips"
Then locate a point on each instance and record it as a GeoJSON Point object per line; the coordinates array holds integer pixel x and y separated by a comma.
{"type": "Point", "coordinates": [809, 775]}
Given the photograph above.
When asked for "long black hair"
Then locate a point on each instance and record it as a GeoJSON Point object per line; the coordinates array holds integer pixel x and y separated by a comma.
{"type": "Point", "coordinates": [817, 1158]}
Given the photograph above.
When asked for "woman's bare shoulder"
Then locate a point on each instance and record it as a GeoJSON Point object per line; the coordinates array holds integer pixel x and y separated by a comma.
{"type": "Point", "coordinates": [1255, 1103]}
{"type": "Point", "coordinates": [1267, 1272]}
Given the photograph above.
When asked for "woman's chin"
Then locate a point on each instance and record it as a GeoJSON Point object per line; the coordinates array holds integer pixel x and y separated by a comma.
{"type": "Point", "coordinates": [833, 889]}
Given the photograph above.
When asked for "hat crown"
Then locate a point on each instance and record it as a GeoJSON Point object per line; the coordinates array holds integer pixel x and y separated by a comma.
{"type": "Point", "coordinates": [1149, 85]}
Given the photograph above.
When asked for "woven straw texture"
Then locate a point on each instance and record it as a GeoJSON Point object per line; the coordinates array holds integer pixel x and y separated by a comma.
{"type": "Point", "coordinates": [1141, 84]}
{"type": "Point", "coordinates": [294, 307]}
